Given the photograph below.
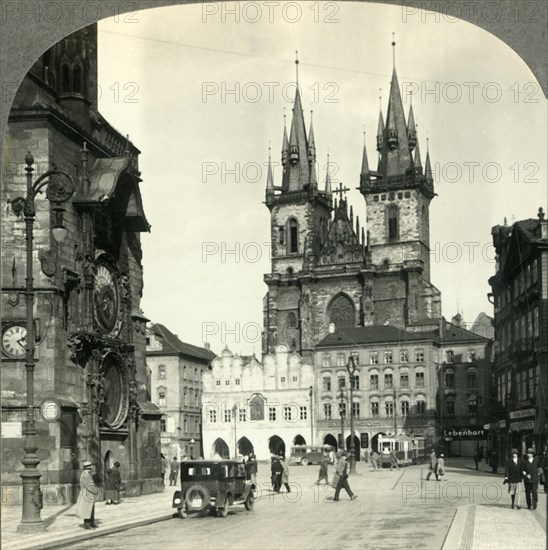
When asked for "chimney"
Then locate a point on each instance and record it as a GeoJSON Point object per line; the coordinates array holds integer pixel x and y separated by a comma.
{"type": "Point", "coordinates": [543, 224]}
{"type": "Point", "coordinates": [207, 346]}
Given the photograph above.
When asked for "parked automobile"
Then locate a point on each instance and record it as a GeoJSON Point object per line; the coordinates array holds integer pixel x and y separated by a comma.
{"type": "Point", "coordinates": [308, 454]}
{"type": "Point", "coordinates": [213, 486]}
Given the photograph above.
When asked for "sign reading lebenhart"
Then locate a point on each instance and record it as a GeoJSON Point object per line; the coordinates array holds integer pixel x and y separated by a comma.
{"type": "Point", "coordinates": [464, 433]}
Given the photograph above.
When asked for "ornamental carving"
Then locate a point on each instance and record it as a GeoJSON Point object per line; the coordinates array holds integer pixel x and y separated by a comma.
{"type": "Point", "coordinates": [59, 191]}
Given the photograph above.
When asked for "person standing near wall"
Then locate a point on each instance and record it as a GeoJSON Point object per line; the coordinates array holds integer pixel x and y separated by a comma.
{"type": "Point", "coordinates": [85, 506]}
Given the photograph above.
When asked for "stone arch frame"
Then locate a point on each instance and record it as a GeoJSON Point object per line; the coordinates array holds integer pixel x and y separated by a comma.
{"type": "Point", "coordinates": [220, 447]}
{"type": "Point", "coordinates": [299, 440]}
{"type": "Point", "coordinates": [350, 314]}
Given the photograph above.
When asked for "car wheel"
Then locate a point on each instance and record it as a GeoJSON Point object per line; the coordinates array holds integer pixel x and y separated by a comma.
{"type": "Point", "coordinates": [223, 512]}
{"type": "Point", "coordinates": [249, 502]}
{"type": "Point", "coordinates": [304, 461]}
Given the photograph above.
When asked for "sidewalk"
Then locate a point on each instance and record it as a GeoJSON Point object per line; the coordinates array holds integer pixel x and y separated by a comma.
{"type": "Point", "coordinates": [63, 526]}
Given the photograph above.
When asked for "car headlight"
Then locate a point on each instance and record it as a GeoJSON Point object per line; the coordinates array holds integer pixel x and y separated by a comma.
{"type": "Point", "coordinates": [177, 500]}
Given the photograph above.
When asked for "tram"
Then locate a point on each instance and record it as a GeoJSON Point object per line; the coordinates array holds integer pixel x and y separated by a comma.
{"type": "Point", "coordinates": [408, 450]}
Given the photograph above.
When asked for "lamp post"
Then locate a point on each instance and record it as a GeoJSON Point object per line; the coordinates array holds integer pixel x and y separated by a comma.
{"type": "Point", "coordinates": [351, 367]}
{"type": "Point", "coordinates": [311, 395]}
{"type": "Point", "coordinates": [57, 192]}
{"type": "Point", "coordinates": [341, 399]}
{"type": "Point", "coordinates": [192, 449]}
{"type": "Point", "coordinates": [234, 411]}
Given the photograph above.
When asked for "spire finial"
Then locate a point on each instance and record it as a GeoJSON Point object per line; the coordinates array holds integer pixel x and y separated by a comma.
{"type": "Point", "coordinates": [311, 112]}
{"type": "Point", "coordinates": [394, 50]}
{"type": "Point", "coordinates": [297, 66]}
{"type": "Point", "coordinates": [285, 119]}
{"type": "Point", "coordinates": [380, 99]}
{"type": "Point", "coordinates": [364, 135]}
{"type": "Point", "coordinates": [427, 141]}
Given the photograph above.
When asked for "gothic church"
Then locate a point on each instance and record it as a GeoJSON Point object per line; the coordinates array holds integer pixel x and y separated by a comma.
{"type": "Point", "coordinates": [325, 267]}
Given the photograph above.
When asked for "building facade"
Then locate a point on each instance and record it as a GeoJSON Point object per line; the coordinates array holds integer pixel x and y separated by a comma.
{"type": "Point", "coordinates": [326, 267]}
{"type": "Point", "coordinates": [176, 370]}
{"type": "Point", "coordinates": [520, 297]}
{"type": "Point", "coordinates": [394, 390]}
{"type": "Point", "coordinates": [249, 406]}
{"type": "Point", "coordinates": [90, 332]}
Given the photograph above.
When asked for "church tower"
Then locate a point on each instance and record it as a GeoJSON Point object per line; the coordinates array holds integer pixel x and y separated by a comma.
{"type": "Point", "coordinates": [398, 198]}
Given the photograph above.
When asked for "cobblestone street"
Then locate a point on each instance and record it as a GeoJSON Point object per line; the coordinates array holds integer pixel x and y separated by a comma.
{"type": "Point", "coordinates": [393, 510]}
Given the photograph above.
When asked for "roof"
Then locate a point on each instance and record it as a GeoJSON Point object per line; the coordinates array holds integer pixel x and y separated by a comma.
{"type": "Point", "coordinates": [372, 335]}
{"type": "Point", "coordinates": [172, 345]}
{"type": "Point", "coordinates": [454, 333]}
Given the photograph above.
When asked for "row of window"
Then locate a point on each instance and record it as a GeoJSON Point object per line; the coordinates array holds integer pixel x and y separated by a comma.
{"type": "Point", "coordinates": [471, 378]}
{"type": "Point", "coordinates": [289, 413]}
{"type": "Point", "coordinates": [329, 409]}
{"type": "Point", "coordinates": [450, 356]}
{"type": "Point", "coordinates": [188, 398]}
{"type": "Point", "coordinates": [374, 381]}
{"type": "Point", "coordinates": [449, 408]}
{"type": "Point", "coordinates": [526, 278]}
{"type": "Point", "coordinates": [525, 326]}
{"type": "Point", "coordinates": [283, 380]}
{"type": "Point", "coordinates": [190, 425]}
{"type": "Point", "coordinates": [526, 382]}
{"type": "Point", "coordinates": [187, 374]}
{"type": "Point", "coordinates": [387, 356]}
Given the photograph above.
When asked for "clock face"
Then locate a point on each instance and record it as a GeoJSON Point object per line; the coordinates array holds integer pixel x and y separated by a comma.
{"type": "Point", "coordinates": [105, 298]}
{"type": "Point", "coordinates": [14, 340]}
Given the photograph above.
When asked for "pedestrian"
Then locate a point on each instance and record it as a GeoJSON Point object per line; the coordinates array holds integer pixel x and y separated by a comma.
{"type": "Point", "coordinates": [324, 466]}
{"type": "Point", "coordinates": [332, 459]}
{"type": "Point", "coordinates": [285, 474]}
{"type": "Point", "coordinates": [366, 455]}
{"type": "Point", "coordinates": [440, 467]}
{"type": "Point", "coordinates": [531, 474]}
{"type": "Point", "coordinates": [112, 485]}
{"type": "Point", "coordinates": [513, 475]}
{"type": "Point", "coordinates": [251, 468]}
{"type": "Point", "coordinates": [163, 468]}
{"type": "Point", "coordinates": [544, 468]}
{"type": "Point", "coordinates": [276, 470]}
{"type": "Point", "coordinates": [494, 461]}
{"type": "Point", "coordinates": [477, 458]}
{"type": "Point", "coordinates": [85, 506]}
{"type": "Point", "coordinates": [174, 470]}
{"type": "Point", "coordinates": [393, 460]}
{"type": "Point", "coordinates": [433, 464]}
{"type": "Point", "coordinates": [342, 471]}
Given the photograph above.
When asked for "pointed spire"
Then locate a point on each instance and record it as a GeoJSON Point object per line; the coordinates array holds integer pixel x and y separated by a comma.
{"type": "Point", "coordinates": [312, 152]}
{"type": "Point", "coordinates": [411, 130]}
{"type": "Point", "coordinates": [380, 127]}
{"type": "Point", "coordinates": [427, 166]}
{"type": "Point", "coordinates": [328, 191]}
{"type": "Point", "coordinates": [364, 174]}
{"type": "Point", "coordinates": [363, 236]}
{"type": "Point", "coordinates": [351, 215]}
{"type": "Point", "coordinates": [394, 50]}
{"type": "Point", "coordinates": [269, 177]}
{"type": "Point", "coordinates": [358, 226]}
{"type": "Point", "coordinates": [417, 164]}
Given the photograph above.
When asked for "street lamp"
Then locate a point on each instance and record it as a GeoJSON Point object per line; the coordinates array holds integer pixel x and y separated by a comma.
{"type": "Point", "coordinates": [57, 192]}
{"type": "Point", "coordinates": [311, 395]}
{"type": "Point", "coordinates": [234, 411]}
{"type": "Point", "coordinates": [351, 367]}
{"type": "Point", "coordinates": [341, 403]}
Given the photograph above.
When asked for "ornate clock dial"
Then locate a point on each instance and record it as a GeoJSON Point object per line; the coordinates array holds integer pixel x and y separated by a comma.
{"type": "Point", "coordinates": [14, 340]}
{"type": "Point", "coordinates": [105, 298]}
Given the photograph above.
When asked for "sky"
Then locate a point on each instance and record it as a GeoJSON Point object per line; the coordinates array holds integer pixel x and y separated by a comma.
{"type": "Point", "coordinates": [202, 91]}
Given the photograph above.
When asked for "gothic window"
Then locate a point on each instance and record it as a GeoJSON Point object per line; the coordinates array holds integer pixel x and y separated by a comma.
{"type": "Point", "coordinates": [293, 235]}
{"type": "Point", "coordinates": [77, 79]}
{"type": "Point", "coordinates": [341, 312]}
{"type": "Point", "coordinates": [65, 79]}
{"type": "Point", "coordinates": [256, 408]}
{"type": "Point", "coordinates": [393, 225]}
{"type": "Point", "coordinates": [292, 320]}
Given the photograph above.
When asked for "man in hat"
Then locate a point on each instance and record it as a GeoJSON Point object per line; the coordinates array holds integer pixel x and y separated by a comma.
{"type": "Point", "coordinates": [513, 475]}
{"type": "Point", "coordinates": [342, 470]}
{"type": "Point", "coordinates": [531, 471]}
{"type": "Point", "coordinates": [85, 506]}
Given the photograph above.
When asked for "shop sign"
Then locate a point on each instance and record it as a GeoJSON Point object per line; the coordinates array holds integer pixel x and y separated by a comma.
{"type": "Point", "coordinates": [522, 414]}
{"type": "Point", "coordinates": [502, 424]}
{"type": "Point", "coordinates": [464, 433]}
{"type": "Point", "coordinates": [487, 426]}
{"type": "Point", "coordinates": [523, 425]}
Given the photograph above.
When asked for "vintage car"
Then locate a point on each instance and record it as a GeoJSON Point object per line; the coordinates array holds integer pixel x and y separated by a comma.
{"type": "Point", "coordinates": [213, 486]}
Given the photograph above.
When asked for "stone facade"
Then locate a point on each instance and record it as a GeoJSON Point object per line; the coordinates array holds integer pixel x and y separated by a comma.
{"type": "Point", "coordinates": [90, 344]}
{"type": "Point", "coordinates": [264, 408]}
{"type": "Point", "coordinates": [176, 386]}
{"type": "Point", "coordinates": [520, 296]}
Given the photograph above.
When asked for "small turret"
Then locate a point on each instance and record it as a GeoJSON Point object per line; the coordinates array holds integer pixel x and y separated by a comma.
{"type": "Point", "coordinates": [269, 177]}
{"type": "Point", "coordinates": [411, 130]}
{"type": "Point", "coordinates": [380, 132]}
{"type": "Point", "coordinates": [364, 174]}
{"type": "Point", "coordinates": [285, 145]}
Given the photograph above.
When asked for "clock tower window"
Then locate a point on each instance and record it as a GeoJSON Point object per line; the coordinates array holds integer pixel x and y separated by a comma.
{"type": "Point", "coordinates": [293, 236]}
{"type": "Point", "coordinates": [393, 223]}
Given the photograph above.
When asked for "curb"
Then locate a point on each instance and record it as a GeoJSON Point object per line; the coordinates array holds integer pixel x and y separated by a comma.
{"type": "Point", "coordinates": [61, 540]}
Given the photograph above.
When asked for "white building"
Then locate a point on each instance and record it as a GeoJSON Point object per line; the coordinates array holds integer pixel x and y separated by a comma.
{"type": "Point", "coordinates": [252, 407]}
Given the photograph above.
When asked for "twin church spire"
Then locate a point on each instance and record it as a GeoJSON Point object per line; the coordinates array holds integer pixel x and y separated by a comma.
{"type": "Point", "coordinates": [397, 145]}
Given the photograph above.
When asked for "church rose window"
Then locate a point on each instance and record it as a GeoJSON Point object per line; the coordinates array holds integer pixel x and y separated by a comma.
{"type": "Point", "coordinates": [342, 312]}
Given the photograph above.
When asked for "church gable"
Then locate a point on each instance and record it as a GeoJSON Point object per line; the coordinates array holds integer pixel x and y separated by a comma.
{"type": "Point", "coordinates": [342, 245]}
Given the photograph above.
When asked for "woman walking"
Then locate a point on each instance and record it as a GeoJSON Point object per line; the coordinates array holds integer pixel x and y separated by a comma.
{"type": "Point", "coordinates": [513, 475]}
{"type": "Point", "coordinates": [324, 465]}
{"type": "Point", "coordinates": [342, 470]}
{"type": "Point", "coordinates": [112, 485]}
